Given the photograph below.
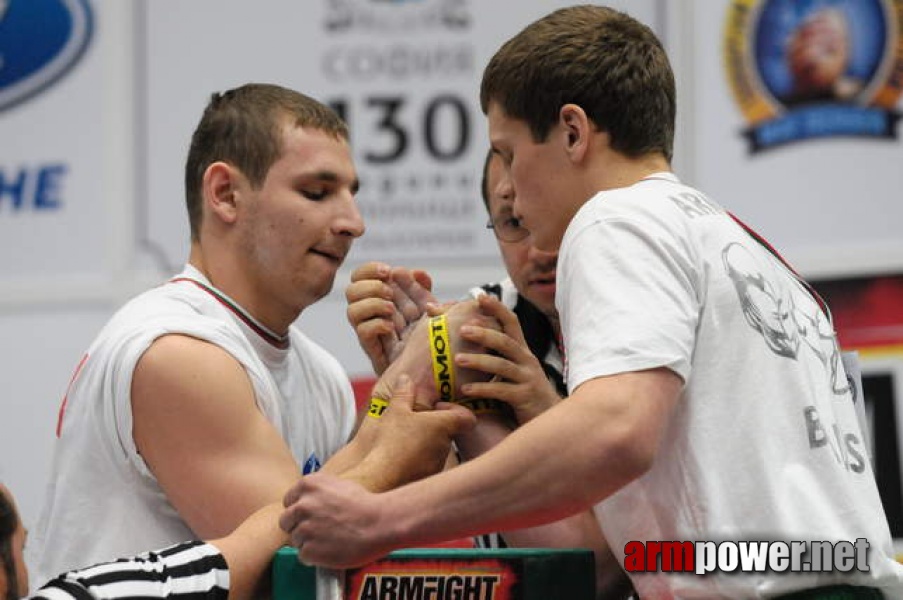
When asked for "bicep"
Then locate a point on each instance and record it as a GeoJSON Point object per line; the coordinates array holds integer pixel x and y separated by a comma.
{"type": "Point", "coordinates": [198, 428]}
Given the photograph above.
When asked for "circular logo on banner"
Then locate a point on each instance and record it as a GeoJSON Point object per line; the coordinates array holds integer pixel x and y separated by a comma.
{"type": "Point", "coordinates": [802, 69]}
{"type": "Point", "coordinates": [40, 40]}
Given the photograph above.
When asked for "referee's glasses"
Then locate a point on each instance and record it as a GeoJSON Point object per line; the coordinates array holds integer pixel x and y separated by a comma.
{"type": "Point", "coordinates": [507, 228]}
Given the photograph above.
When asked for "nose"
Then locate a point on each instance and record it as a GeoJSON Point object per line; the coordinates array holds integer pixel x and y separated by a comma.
{"type": "Point", "coordinates": [349, 221]}
{"type": "Point", "coordinates": [547, 260]}
{"type": "Point", "coordinates": [504, 188]}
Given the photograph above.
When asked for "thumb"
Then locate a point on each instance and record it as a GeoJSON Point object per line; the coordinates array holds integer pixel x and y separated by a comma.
{"type": "Point", "coordinates": [436, 308]}
{"type": "Point", "coordinates": [458, 419]}
{"type": "Point", "coordinates": [403, 392]}
{"type": "Point", "coordinates": [424, 279]}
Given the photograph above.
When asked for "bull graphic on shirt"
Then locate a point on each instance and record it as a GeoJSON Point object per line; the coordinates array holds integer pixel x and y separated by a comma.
{"type": "Point", "coordinates": [783, 311]}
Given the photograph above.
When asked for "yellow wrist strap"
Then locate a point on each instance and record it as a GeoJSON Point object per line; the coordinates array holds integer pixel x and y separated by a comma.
{"type": "Point", "coordinates": [440, 350]}
{"type": "Point", "coordinates": [377, 407]}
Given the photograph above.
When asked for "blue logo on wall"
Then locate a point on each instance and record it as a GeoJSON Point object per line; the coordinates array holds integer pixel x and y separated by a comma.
{"type": "Point", "coordinates": [40, 40]}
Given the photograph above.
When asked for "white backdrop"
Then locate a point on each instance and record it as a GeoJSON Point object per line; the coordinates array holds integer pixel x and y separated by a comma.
{"type": "Point", "coordinates": [831, 205]}
{"type": "Point", "coordinates": [112, 134]}
{"type": "Point", "coordinates": [120, 121]}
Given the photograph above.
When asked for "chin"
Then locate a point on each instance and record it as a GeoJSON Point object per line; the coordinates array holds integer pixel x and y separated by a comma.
{"type": "Point", "coordinates": [310, 296]}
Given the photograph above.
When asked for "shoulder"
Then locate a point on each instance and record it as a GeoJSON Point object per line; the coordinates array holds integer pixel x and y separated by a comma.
{"type": "Point", "coordinates": [145, 319]}
{"type": "Point", "coordinates": [175, 368]}
{"type": "Point", "coordinates": [171, 305]}
{"type": "Point", "coordinates": [662, 212]}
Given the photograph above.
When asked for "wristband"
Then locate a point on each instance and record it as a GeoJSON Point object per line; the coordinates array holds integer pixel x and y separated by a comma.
{"type": "Point", "coordinates": [377, 407]}
{"type": "Point", "coordinates": [440, 350]}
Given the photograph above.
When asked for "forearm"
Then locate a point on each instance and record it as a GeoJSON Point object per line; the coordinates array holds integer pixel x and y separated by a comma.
{"type": "Point", "coordinates": [578, 531]}
{"type": "Point", "coordinates": [530, 478]}
{"type": "Point", "coordinates": [490, 430]}
{"type": "Point", "coordinates": [576, 454]}
{"type": "Point", "coordinates": [249, 550]}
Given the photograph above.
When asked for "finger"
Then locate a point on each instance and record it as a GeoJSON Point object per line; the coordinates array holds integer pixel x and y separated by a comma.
{"type": "Point", "coordinates": [490, 364]}
{"type": "Point", "coordinates": [500, 342]}
{"type": "Point", "coordinates": [509, 393]}
{"type": "Point", "coordinates": [370, 309]}
{"type": "Point", "coordinates": [366, 289]}
{"type": "Point", "coordinates": [377, 338]}
{"type": "Point", "coordinates": [417, 285]}
{"type": "Point", "coordinates": [371, 270]}
{"type": "Point", "coordinates": [289, 518]}
{"type": "Point", "coordinates": [434, 308]}
{"type": "Point", "coordinates": [437, 308]}
{"type": "Point", "coordinates": [410, 296]}
{"type": "Point", "coordinates": [493, 307]}
{"type": "Point", "coordinates": [424, 279]}
{"type": "Point", "coordinates": [292, 495]}
{"type": "Point", "coordinates": [408, 309]}
{"type": "Point", "coordinates": [297, 540]}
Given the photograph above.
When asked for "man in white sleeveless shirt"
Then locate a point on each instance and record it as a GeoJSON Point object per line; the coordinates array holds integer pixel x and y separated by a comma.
{"type": "Point", "coordinates": [200, 401]}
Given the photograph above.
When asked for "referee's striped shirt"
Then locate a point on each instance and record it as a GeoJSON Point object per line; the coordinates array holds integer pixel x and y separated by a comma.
{"type": "Point", "coordinates": [187, 571]}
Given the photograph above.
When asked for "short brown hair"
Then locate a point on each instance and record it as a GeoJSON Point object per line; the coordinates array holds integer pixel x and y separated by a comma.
{"type": "Point", "coordinates": [9, 523]}
{"type": "Point", "coordinates": [484, 180]}
{"type": "Point", "coordinates": [602, 60]}
{"type": "Point", "coordinates": [243, 127]}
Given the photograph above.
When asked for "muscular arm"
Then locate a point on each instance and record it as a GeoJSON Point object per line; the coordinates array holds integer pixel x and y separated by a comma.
{"type": "Point", "coordinates": [562, 462]}
{"type": "Point", "coordinates": [200, 432]}
{"type": "Point", "coordinates": [581, 530]}
{"type": "Point", "coordinates": [580, 451]}
{"type": "Point", "coordinates": [402, 446]}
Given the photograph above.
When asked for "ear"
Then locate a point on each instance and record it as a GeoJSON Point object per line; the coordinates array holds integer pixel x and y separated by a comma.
{"type": "Point", "coordinates": [577, 130]}
{"type": "Point", "coordinates": [221, 187]}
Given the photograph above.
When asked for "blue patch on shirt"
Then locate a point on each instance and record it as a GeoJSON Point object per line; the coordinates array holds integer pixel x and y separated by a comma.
{"type": "Point", "coordinates": [311, 465]}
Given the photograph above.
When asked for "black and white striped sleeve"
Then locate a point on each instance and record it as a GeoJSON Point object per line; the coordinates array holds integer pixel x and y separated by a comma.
{"type": "Point", "coordinates": [188, 571]}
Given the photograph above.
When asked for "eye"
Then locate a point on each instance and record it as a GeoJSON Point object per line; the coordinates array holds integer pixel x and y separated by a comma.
{"type": "Point", "coordinates": [314, 194]}
{"type": "Point", "coordinates": [504, 155]}
{"type": "Point", "coordinates": [507, 222]}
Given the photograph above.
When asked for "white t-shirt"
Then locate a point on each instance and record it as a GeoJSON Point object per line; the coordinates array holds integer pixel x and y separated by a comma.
{"type": "Point", "coordinates": [764, 443]}
{"type": "Point", "coordinates": [102, 502]}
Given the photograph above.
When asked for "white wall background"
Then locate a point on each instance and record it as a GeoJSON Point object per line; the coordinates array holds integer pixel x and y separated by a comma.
{"type": "Point", "coordinates": [121, 122]}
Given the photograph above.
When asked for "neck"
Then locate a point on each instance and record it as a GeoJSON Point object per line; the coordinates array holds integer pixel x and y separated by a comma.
{"type": "Point", "coordinates": [228, 278]}
{"type": "Point", "coordinates": [616, 170]}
